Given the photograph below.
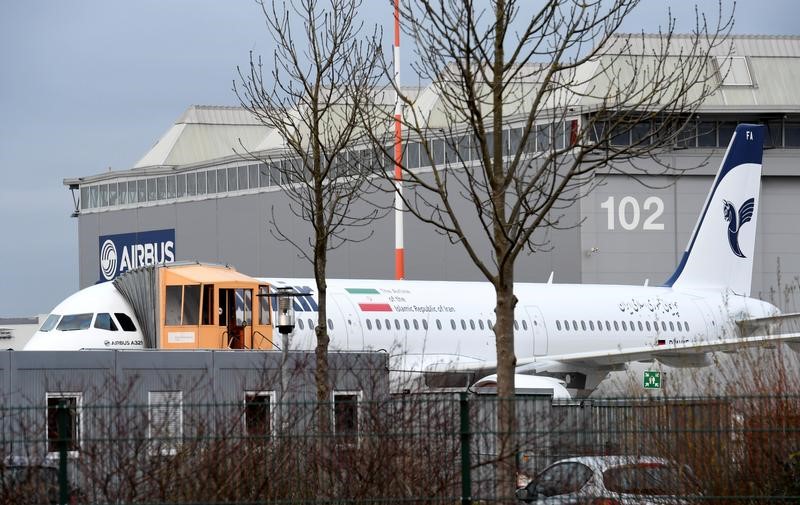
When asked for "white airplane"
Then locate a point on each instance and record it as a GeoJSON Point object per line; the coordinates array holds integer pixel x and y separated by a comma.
{"type": "Point", "coordinates": [565, 335]}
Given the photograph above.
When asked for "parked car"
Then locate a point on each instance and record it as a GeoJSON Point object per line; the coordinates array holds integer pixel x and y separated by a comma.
{"type": "Point", "coordinates": [31, 481]}
{"type": "Point", "coordinates": [612, 480]}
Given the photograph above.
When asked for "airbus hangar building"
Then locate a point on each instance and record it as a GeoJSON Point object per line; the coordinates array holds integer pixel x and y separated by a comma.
{"type": "Point", "coordinates": [194, 196]}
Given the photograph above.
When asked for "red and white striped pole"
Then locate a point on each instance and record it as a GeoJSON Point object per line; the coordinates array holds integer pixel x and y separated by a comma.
{"type": "Point", "coordinates": [399, 253]}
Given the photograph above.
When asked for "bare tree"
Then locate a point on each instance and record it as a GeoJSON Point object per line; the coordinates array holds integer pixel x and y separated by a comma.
{"type": "Point", "coordinates": [319, 85]}
{"type": "Point", "coordinates": [527, 106]}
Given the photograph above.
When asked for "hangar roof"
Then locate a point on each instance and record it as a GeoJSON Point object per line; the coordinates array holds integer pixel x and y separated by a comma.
{"type": "Point", "coordinates": [205, 132]}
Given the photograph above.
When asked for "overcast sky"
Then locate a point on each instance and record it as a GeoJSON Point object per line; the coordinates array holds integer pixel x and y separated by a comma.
{"type": "Point", "coordinates": [88, 85]}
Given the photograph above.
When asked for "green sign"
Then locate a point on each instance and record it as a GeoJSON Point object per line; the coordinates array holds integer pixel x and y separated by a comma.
{"type": "Point", "coordinates": [652, 379]}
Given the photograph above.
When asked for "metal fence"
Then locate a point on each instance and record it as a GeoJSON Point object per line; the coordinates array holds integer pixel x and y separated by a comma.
{"type": "Point", "coordinates": [437, 448]}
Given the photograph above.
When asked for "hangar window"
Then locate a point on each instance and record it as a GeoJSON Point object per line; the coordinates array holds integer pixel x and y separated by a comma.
{"type": "Point", "coordinates": [412, 155]}
{"type": "Point", "coordinates": [543, 137]}
{"type": "Point", "coordinates": [258, 413]}
{"type": "Point", "coordinates": [791, 134]}
{"type": "Point", "coordinates": [72, 322]}
{"type": "Point", "coordinates": [222, 181]}
{"type": "Point", "coordinates": [84, 197]}
{"type": "Point", "coordinates": [68, 405]}
{"type": "Point", "coordinates": [263, 175]}
{"type": "Point", "coordinates": [165, 421]}
{"type": "Point", "coordinates": [232, 179]}
{"type": "Point", "coordinates": [125, 321]}
{"type": "Point", "coordinates": [252, 175]}
{"type": "Point", "coordinates": [131, 192]}
{"type": "Point", "coordinates": [242, 177]}
{"type": "Point", "coordinates": [734, 71]}
{"type": "Point", "coordinates": [161, 184]}
{"type": "Point", "coordinates": [558, 325]}
{"type": "Point", "coordinates": [180, 185]}
{"type": "Point", "coordinates": [345, 415]}
{"type": "Point", "coordinates": [152, 190]}
{"type": "Point", "coordinates": [171, 189]}
{"type": "Point", "coordinates": [103, 321]}
{"type": "Point", "coordinates": [112, 193]}
{"type": "Point", "coordinates": [141, 189]}
{"type": "Point", "coordinates": [50, 322]}
{"type": "Point", "coordinates": [104, 195]}
{"type": "Point", "coordinates": [206, 183]}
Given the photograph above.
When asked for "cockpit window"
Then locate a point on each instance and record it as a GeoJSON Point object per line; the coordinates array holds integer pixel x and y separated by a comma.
{"type": "Point", "coordinates": [104, 322]}
{"type": "Point", "coordinates": [72, 322]}
{"type": "Point", "coordinates": [125, 321]}
{"type": "Point", "coordinates": [50, 322]}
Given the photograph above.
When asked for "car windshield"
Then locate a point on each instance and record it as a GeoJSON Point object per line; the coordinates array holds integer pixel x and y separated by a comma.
{"type": "Point", "coordinates": [649, 479]}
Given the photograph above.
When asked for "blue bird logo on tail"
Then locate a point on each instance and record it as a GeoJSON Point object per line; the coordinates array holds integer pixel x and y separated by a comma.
{"type": "Point", "coordinates": [735, 222]}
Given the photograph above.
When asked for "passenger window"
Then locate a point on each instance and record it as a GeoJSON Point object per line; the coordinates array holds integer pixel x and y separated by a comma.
{"type": "Point", "coordinates": [438, 325]}
{"type": "Point", "coordinates": [600, 325]}
{"type": "Point", "coordinates": [616, 326]}
{"type": "Point", "coordinates": [104, 322]}
{"type": "Point", "coordinates": [686, 325]}
{"type": "Point", "coordinates": [647, 324]}
{"type": "Point", "coordinates": [480, 323]}
{"type": "Point", "coordinates": [633, 326]}
{"type": "Point", "coordinates": [396, 324]}
{"type": "Point", "coordinates": [125, 321]}
{"type": "Point", "coordinates": [640, 326]}
{"type": "Point", "coordinates": [330, 324]}
{"type": "Point", "coordinates": [378, 324]}
{"type": "Point", "coordinates": [405, 323]}
{"type": "Point", "coordinates": [490, 323]}
{"type": "Point", "coordinates": [558, 325]}
{"type": "Point", "coordinates": [575, 325]}
{"type": "Point", "coordinates": [566, 325]}
{"type": "Point", "coordinates": [369, 325]}
{"type": "Point", "coordinates": [75, 322]}
{"type": "Point", "coordinates": [416, 324]}
{"type": "Point", "coordinates": [591, 325]}
{"type": "Point", "coordinates": [680, 327]}
{"type": "Point", "coordinates": [583, 325]}
{"type": "Point", "coordinates": [664, 325]}
{"type": "Point", "coordinates": [524, 325]}
{"type": "Point", "coordinates": [624, 326]}
{"type": "Point", "coordinates": [671, 326]}
{"type": "Point", "coordinates": [424, 324]}
{"type": "Point", "coordinates": [50, 322]}
{"type": "Point", "coordinates": [471, 324]}
{"type": "Point", "coordinates": [300, 324]}
{"type": "Point", "coordinates": [463, 325]}
{"type": "Point", "coordinates": [388, 324]}
{"type": "Point", "coordinates": [453, 323]}
{"type": "Point", "coordinates": [608, 326]}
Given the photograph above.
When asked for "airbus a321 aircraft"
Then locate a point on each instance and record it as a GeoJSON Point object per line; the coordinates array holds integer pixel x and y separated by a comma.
{"type": "Point", "coordinates": [565, 335]}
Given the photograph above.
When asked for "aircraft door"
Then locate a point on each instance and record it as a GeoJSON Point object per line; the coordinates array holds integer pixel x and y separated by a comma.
{"type": "Point", "coordinates": [354, 335]}
{"type": "Point", "coordinates": [537, 329]}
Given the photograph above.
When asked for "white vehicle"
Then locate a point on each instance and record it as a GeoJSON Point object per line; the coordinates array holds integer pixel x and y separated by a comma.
{"type": "Point", "coordinates": [572, 334]}
{"type": "Point", "coordinates": [612, 480]}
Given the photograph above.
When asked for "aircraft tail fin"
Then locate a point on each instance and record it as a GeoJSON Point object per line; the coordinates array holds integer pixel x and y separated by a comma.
{"type": "Point", "coordinates": [720, 250]}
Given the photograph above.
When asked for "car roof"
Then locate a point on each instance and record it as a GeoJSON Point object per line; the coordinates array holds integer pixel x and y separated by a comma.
{"type": "Point", "coordinates": [603, 463]}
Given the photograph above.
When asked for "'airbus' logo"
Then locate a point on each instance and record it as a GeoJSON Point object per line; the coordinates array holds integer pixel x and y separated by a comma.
{"type": "Point", "coordinates": [108, 260]}
{"type": "Point", "coordinates": [736, 220]}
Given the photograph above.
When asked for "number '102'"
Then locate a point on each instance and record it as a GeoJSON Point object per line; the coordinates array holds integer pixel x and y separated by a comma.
{"type": "Point", "coordinates": [629, 213]}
